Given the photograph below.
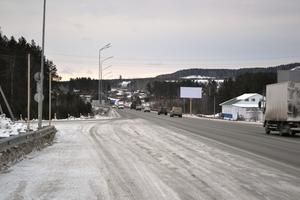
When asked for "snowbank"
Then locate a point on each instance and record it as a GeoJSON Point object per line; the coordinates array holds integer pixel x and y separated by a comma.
{"type": "Point", "coordinates": [9, 128]}
{"type": "Point", "coordinates": [217, 118]}
{"type": "Point", "coordinates": [111, 115]}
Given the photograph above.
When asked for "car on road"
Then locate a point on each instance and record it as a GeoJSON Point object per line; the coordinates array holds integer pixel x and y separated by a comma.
{"type": "Point", "coordinates": [138, 107]}
{"type": "Point", "coordinates": [120, 106]}
{"type": "Point", "coordinates": [133, 106]}
{"type": "Point", "coordinates": [147, 109]}
{"type": "Point", "coordinates": [176, 111]}
{"type": "Point", "coordinates": [162, 110]}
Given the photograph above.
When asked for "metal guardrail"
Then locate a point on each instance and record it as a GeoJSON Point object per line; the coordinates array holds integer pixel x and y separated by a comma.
{"type": "Point", "coordinates": [7, 143]}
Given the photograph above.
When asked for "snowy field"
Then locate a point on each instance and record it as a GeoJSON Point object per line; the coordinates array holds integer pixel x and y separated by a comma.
{"type": "Point", "coordinates": [136, 159]}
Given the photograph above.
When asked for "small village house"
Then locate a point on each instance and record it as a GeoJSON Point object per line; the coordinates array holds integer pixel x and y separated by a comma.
{"type": "Point", "coordinates": [244, 107]}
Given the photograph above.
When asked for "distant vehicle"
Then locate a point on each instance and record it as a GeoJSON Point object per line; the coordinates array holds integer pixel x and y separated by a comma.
{"type": "Point", "coordinates": [162, 110]}
{"type": "Point", "coordinates": [113, 106]}
{"type": "Point", "coordinates": [138, 107]}
{"type": "Point", "coordinates": [282, 108]}
{"type": "Point", "coordinates": [176, 111]}
{"type": "Point", "coordinates": [127, 105]}
{"type": "Point", "coordinates": [120, 106]}
{"type": "Point", "coordinates": [146, 109]}
{"type": "Point", "coordinates": [132, 106]}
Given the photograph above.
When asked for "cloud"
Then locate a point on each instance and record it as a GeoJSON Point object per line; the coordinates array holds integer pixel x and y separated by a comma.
{"type": "Point", "coordinates": [173, 33]}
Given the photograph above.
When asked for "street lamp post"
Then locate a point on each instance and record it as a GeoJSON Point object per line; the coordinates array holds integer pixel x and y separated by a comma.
{"type": "Point", "coordinates": [40, 102]}
{"type": "Point", "coordinates": [100, 71]}
{"type": "Point", "coordinates": [101, 77]}
{"type": "Point", "coordinates": [105, 68]}
{"type": "Point", "coordinates": [105, 77]}
{"type": "Point", "coordinates": [108, 73]}
{"type": "Point", "coordinates": [50, 99]}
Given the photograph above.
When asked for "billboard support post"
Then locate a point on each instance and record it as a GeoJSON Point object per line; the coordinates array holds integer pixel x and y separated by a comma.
{"type": "Point", "coordinates": [190, 93]}
{"type": "Point", "coordinates": [191, 107]}
{"type": "Point", "coordinates": [183, 105]}
{"type": "Point", "coordinates": [214, 106]}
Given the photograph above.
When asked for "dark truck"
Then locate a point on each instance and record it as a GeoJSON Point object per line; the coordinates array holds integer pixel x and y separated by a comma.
{"type": "Point", "coordinates": [162, 110]}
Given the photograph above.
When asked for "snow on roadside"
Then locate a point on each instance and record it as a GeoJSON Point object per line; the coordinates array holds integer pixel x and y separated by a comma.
{"type": "Point", "coordinates": [211, 117]}
{"type": "Point", "coordinates": [9, 128]}
{"type": "Point", "coordinates": [111, 115]}
{"type": "Point", "coordinates": [190, 116]}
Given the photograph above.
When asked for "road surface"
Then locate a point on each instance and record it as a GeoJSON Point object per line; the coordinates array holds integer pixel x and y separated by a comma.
{"type": "Point", "coordinates": [244, 136]}
{"type": "Point", "coordinates": [143, 156]}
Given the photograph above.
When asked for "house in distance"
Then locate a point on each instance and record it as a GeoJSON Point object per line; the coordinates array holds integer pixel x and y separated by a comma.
{"type": "Point", "coordinates": [244, 107]}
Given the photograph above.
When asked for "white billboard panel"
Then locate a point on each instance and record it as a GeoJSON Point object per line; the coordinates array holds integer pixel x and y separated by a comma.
{"type": "Point", "coordinates": [191, 92]}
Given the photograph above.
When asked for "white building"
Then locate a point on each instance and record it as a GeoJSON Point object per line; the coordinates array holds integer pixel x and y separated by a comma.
{"type": "Point", "coordinates": [86, 98]}
{"type": "Point", "coordinates": [244, 107]}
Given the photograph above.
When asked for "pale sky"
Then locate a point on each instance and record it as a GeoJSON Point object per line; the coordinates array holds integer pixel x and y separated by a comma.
{"type": "Point", "coordinates": [152, 37]}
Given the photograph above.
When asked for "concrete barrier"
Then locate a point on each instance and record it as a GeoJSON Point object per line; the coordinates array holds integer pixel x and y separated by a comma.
{"type": "Point", "coordinates": [14, 148]}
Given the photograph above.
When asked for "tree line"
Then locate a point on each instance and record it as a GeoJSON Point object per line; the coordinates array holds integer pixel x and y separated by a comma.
{"type": "Point", "coordinates": [225, 73]}
{"type": "Point", "coordinates": [213, 93]}
{"type": "Point", "coordinates": [13, 80]}
{"type": "Point", "coordinates": [86, 85]}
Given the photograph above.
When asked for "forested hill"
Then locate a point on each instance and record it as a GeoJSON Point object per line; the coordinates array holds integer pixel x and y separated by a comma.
{"type": "Point", "coordinates": [225, 73]}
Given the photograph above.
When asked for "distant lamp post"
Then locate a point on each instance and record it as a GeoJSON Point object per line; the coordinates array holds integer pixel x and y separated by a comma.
{"type": "Point", "coordinates": [106, 76]}
{"type": "Point", "coordinates": [100, 71]}
{"type": "Point", "coordinates": [105, 68]}
{"type": "Point", "coordinates": [101, 77]}
{"type": "Point", "coordinates": [108, 73]}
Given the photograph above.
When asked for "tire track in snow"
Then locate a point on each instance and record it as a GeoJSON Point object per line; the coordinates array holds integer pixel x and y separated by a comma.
{"type": "Point", "coordinates": [127, 170]}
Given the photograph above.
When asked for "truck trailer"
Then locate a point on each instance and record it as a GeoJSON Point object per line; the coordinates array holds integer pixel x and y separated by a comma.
{"type": "Point", "coordinates": [282, 108]}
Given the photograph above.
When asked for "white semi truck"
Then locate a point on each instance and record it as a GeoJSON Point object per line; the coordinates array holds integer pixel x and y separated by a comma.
{"type": "Point", "coordinates": [282, 108]}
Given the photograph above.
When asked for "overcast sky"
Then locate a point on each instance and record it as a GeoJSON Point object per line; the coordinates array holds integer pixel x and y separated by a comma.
{"type": "Point", "coordinates": [151, 37]}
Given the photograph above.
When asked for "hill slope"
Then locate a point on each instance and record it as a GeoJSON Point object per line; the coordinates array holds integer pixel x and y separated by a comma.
{"type": "Point", "coordinates": [225, 73]}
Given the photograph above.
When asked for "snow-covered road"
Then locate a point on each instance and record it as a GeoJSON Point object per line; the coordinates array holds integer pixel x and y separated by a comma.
{"type": "Point", "coordinates": [136, 159]}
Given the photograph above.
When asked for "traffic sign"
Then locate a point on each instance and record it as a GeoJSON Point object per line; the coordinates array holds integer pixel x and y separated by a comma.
{"type": "Point", "coordinates": [37, 97]}
{"type": "Point", "coordinates": [37, 76]}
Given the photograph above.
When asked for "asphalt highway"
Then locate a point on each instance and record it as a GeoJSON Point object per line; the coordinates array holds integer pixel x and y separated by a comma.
{"type": "Point", "coordinates": [244, 138]}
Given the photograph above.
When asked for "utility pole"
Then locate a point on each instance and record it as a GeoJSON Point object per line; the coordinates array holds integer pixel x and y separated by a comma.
{"type": "Point", "coordinates": [28, 93]}
{"type": "Point", "coordinates": [50, 88]}
{"type": "Point", "coordinates": [99, 80]}
{"type": "Point", "coordinates": [12, 71]}
{"type": "Point", "coordinates": [40, 102]}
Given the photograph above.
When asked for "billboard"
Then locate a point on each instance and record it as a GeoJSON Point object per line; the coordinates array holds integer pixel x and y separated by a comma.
{"type": "Point", "coordinates": [191, 92]}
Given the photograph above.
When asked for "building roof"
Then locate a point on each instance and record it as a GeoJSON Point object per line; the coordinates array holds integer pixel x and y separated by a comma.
{"type": "Point", "coordinates": [239, 98]}
{"type": "Point", "coordinates": [245, 96]}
